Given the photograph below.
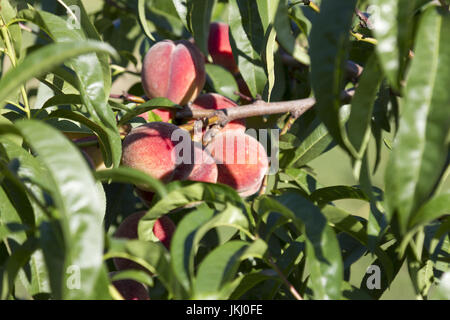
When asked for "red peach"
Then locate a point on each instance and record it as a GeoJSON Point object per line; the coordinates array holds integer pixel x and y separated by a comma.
{"type": "Point", "coordinates": [241, 161]}
{"type": "Point", "coordinates": [163, 229]}
{"type": "Point", "coordinates": [219, 46]}
{"type": "Point", "coordinates": [149, 148]}
{"type": "Point", "coordinates": [165, 115]}
{"type": "Point", "coordinates": [174, 70]}
{"type": "Point", "coordinates": [202, 167]}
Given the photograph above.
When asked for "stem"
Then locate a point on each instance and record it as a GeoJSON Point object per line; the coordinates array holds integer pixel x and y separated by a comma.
{"type": "Point", "coordinates": [12, 56]}
{"type": "Point", "coordinates": [258, 108]}
{"type": "Point", "coordinates": [289, 285]}
{"type": "Point", "coordinates": [362, 38]}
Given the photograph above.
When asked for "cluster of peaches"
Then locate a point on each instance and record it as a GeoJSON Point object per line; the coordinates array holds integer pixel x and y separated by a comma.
{"type": "Point", "coordinates": [176, 70]}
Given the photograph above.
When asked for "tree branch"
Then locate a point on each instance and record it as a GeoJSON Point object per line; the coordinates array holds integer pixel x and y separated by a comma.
{"type": "Point", "coordinates": [258, 108]}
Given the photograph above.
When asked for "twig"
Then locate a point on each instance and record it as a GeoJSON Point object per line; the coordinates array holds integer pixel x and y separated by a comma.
{"type": "Point", "coordinates": [289, 285]}
{"type": "Point", "coordinates": [258, 108]}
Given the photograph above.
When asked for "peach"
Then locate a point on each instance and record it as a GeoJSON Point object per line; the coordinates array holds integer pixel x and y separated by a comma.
{"type": "Point", "coordinates": [174, 70]}
{"type": "Point", "coordinates": [150, 148]}
{"type": "Point", "coordinates": [131, 289]}
{"type": "Point", "coordinates": [165, 115]}
{"type": "Point", "coordinates": [202, 167]}
{"type": "Point", "coordinates": [163, 229]}
{"type": "Point", "coordinates": [219, 46]}
{"type": "Point", "coordinates": [241, 161]}
{"type": "Point", "coordinates": [216, 101]}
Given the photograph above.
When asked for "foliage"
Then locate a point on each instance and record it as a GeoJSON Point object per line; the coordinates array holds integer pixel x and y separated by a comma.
{"type": "Point", "coordinates": [58, 215]}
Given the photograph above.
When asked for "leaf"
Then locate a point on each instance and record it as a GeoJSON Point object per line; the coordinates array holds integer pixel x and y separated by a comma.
{"type": "Point", "coordinates": [91, 32]}
{"type": "Point", "coordinates": [328, 50]}
{"type": "Point", "coordinates": [108, 139]}
{"type": "Point", "coordinates": [270, 61]}
{"type": "Point", "coordinates": [221, 81]}
{"type": "Point", "coordinates": [436, 207]}
{"type": "Point", "coordinates": [143, 20]}
{"type": "Point", "coordinates": [151, 255]}
{"type": "Point", "coordinates": [220, 266]}
{"type": "Point", "coordinates": [15, 262]}
{"type": "Point", "coordinates": [417, 160]}
{"type": "Point", "coordinates": [323, 255]}
{"type": "Point", "coordinates": [136, 275]}
{"type": "Point", "coordinates": [359, 122]}
{"type": "Point", "coordinates": [329, 194]}
{"type": "Point", "coordinates": [8, 13]}
{"type": "Point", "coordinates": [147, 106]}
{"type": "Point", "coordinates": [76, 197]}
{"type": "Point", "coordinates": [287, 40]}
{"type": "Point", "coordinates": [179, 196]}
{"type": "Point", "coordinates": [200, 12]}
{"type": "Point", "coordinates": [181, 7]}
{"type": "Point", "coordinates": [247, 42]}
{"type": "Point", "coordinates": [182, 244]}
{"type": "Point", "coordinates": [392, 22]}
{"type": "Point", "coordinates": [43, 60]}
{"type": "Point", "coordinates": [132, 176]}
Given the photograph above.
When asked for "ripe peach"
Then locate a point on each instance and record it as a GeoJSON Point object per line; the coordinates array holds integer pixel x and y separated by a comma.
{"type": "Point", "coordinates": [216, 101]}
{"type": "Point", "coordinates": [149, 148]}
{"type": "Point", "coordinates": [219, 46]}
{"type": "Point", "coordinates": [241, 161]}
{"type": "Point", "coordinates": [165, 115]}
{"type": "Point", "coordinates": [202, 167]}
{"type": "Point", "coordinates": [163, 229]}
{"type": "Point", "coordinates": [131, 289]}
{"type": "Point", "coordinates": [174, 70]}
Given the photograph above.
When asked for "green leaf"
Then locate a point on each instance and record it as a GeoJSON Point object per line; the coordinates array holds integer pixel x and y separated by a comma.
{"type": "Point", "coordinates": [143, 19]}
{"type": "Point", "coordinates": [179, 196]}
{"type": "Point", "coordinates": [267, 10]}
{"type": "Point", "coordinates": [15, 262]}
{"type": "Point", "coordinates": [359, 122]}
{"type": "Point", "coordinates": [220, 266]}
{"type": "Point", "coordinates": [132, 176]}
{"type": "Point", "coordinates": [181, 7]}
{"type": "Point", "coordinates": [110, 142]}
{"type": "Point", "coordinates": [329, 194]}
{"type": "Point", "coordinates": [323, 255]}
{"type": "Point", "coordinates": [136, 275]}
{"type": "Point", "coordinates": [182, 244]}
{"type": "Point", "coordinates": [90, 32]}
{"type": "Point", "coordinates": [147, 106]}
{"type": "Point", "coordinates": [436, 207]}
{"type": "Point", "coordinates": [287, 40]}
{"type": "Point", "coordinates": [247, 43]}
{"type": "Point", "coordinates": [221, 81]}
{"type": "Point", "coordinates": [76, 198]}
{"type": "Point", "coordinates": [200, 12]}
{"type": "Point", "coordinates": [329, 52]}
{"type": "Point", "coordinates": [8, 13]}
{"type": "Point", "coordinates": [43, 60]}
{"type": "Point", "coordinates": [417, 160]}
{"type": "Point", "coordinates": [392, 22]}
{"type": "Point", "coordinates": [151, 255]}
{"type": "Point", "coordinates": [270, 61]}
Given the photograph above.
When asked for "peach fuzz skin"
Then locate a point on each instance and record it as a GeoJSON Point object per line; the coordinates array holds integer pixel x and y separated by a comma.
{"type": "Point", "coordinates": [149, 148]}
{"type": "Point", "coordinates": [163, 230]}
{"type": "Point", "coordinates": [174, 70]}
{"type": "Point", "coordinates": [241, 161]}
{"type": "Point", "coordinates": [219, 46]}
